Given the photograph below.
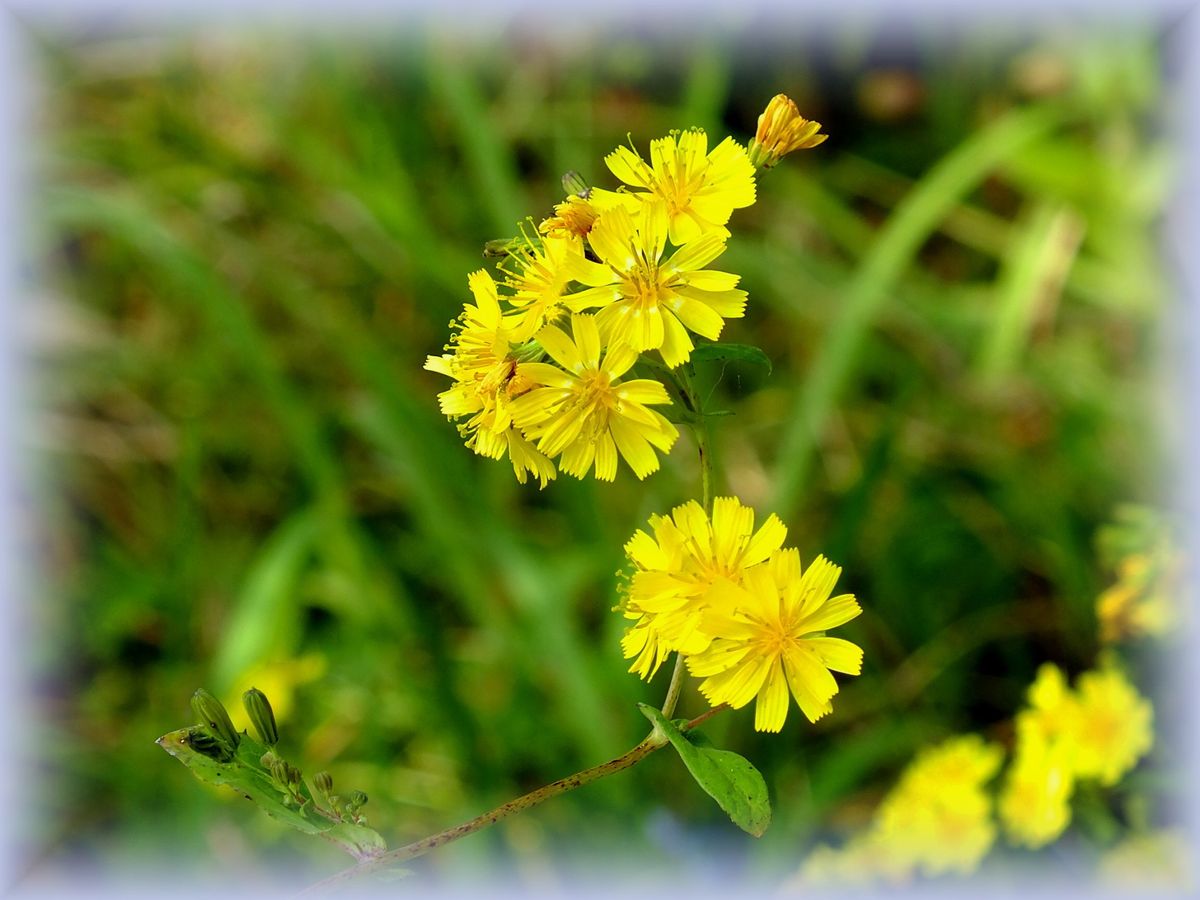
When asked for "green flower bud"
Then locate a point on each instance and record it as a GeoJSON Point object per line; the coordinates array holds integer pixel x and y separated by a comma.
{"type": "Point", "coordinates": [573, 183]}
{"type": "Point", "coordinates": [355, 801]}
{"type": "Point", "coordinates": [293, 777]}
{"type": "Point", "coordinates": [323, 782]}
{"type": "Point", "coordinates": [279, 772]}
{"type": "Point", "coordinates": [267, 760]}
{"type": "Point", "coordinates": [213, 715]}
{"type": "Point", "coordinates": [262, 717]}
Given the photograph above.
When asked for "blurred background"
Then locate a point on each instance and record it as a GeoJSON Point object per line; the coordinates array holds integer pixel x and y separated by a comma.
{"type": "Point", "coordinates": [248, 240]}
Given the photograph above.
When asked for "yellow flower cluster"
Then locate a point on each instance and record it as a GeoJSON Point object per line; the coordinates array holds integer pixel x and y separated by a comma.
{"type": "Point", "coordinates": [1098, 731]}
{"type": "Point", "coordinates": [538, 360]}
{"type": "Point", "coordinates": [936, 820]}
{"type": "Point", "coordinates": [745, 615]}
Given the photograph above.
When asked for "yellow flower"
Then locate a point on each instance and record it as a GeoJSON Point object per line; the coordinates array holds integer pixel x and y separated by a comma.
{"type": "Point", "coordinates": [1035, 802]}
{"type": "Point", "coordinates": [781, 130]}
{"type": "Point", "coordinates": [539, 276]}
{"type": "Point", "coordinates": [652, 301]}
{"type": "Point", "coordinates": [486, 382]}
{"type": "Point", "coordinates": [1138, 604]}
{"type": "Point", "coordinates": [698, 190]}
{"type": "Point", "coordinates": [769, 636]}
{"type": "Point", "coordinates": [572, 219]}
{"type": "Point", "coordinates": [938, 818]}
{"type": "Point", "coordinates": [584, 412]}
{"type": "Point", "coordinates": [1113, 726]}
{"type": "Point", "coordinates": [675, 570]}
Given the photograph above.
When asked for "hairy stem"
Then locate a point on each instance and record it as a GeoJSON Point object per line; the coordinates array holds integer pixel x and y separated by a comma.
{"type": "Point", "coordinates": [652, 742]}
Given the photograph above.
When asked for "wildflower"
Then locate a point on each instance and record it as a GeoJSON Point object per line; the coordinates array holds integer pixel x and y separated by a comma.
{"type": "Point", "coordinates": [572, 219]}
{"type": "Point", "coordinates": [1150, 568]}
{"type": "Point", "coordinates": [677, 568]}
{"type": "Point", "coordinates": [653, 304]}
{"type": "Point", "coordinates": [781, 130]}
{"type": "Point", "coordinates": [1113, 726]}
{"type": "Point", "coordinates": [1138, 603]}
{"type": "Point", "coordinates": [1035, 802]}
{"type": "Point", "coordinates": [584, 412]}
{"type": "Point", "coordinates": [539, 275]}
{"type": "Point", "coordinates": [768, 636]}
{"type": "Point", "coordinates": [699, 190]}
{"type": "Point", "coordinates": [938, 817]}
{"type": "Point", "coordinates": [485, 383]}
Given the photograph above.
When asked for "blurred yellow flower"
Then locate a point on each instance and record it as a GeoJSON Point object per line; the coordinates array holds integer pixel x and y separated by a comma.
{"type": "Point", "coordinates": [278, 679]}
{"type": "Point", "coordinates": [1150, 568]}
{"type": "Point", "coordinates": [938, 818]}
{"type": "Point", "coordinates": [697, 189]}
{"type": "Point", "coordinates": [1114, 726]}
{"type": "Point", "coordinates": [1035, 802]}
{"type": "Point", "coordinates": [485, 383]}
{"type": "Point", "coordinates": [1098, 731]}
{"type": "Point", "coordinates": [677, 568]}
{"type": "Point", "coordinates": [652, 304]}
{"type": "Point", "coordinates": [782, 130]}
{"type": "Point", "coordinates": [1139, 603]}
{"type": "Point", "coordinates": [584, 411]}
{"type": "Point", "coordinates": [769, 636]}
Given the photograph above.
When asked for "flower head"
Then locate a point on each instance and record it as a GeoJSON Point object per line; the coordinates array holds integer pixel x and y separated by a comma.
{"type": "Point", "coordinates": [539, 275]}
{"type": "Point", "coordinates": [697, 189]}
{"type": "Point", "coordinates": [769, 636]}
{"type": "Point", "coordinates": [1113, 727]}
{"type": "Point", "coordinates": [652, 303]}
{"type": "Point", "coordinates": [583, 410]}
{"type": "Point", "coordinates": [572, 219]}
{"type": "Point", "coordinates": [938, 818]}
{"type": "Point", "coordinates": [781, 130]}
{"type": "Point", "coordinates": [676, 569]}
{"type": "Point", "coordinates": [486, 382]}
{"type": "Point", "coordinates": [1035, 802]}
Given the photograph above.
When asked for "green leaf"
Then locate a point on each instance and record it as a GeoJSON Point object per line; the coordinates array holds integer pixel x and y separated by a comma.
{"type": "Point", "coordinates": [247, 775]}
{"type": "Point", "coordinates": [745, 353]}
{"type": "Point", "coordinates": [729, 779]}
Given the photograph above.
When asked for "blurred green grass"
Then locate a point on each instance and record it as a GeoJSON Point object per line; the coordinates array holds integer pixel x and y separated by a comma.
{"type": "Point", "coordinates": [251, 243]}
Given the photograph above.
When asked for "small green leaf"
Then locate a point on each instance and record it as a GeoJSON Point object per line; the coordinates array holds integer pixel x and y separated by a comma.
{"type": "Point", "coordinates": [744, 353]}
{"type": "Point", "coordinates": [729, 779]}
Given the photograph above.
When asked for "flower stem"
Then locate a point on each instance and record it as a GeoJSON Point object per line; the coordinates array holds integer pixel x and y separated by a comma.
{"type": "Point", "coordinates": [419, 848]}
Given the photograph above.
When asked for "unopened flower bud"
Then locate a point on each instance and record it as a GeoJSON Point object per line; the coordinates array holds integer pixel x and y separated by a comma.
{"type": "Point", "coordinates": [267, 760]}
{"type": "Point", "coordinates": [781, 130]}
{"type": "Point", "coordinates": [573, 183]}
{"type": "Point", "coordinates": [323, 782]}
{"type": "Point", "coordinates": [355, 801]}
{"type": "Point", "coordinates": [293, 777]}
{"type": "Point", "coordinates": [213, 715]}
{"type": "Point", "coordinates": [279, 771]}
{"type": "Point", "coordinates": [262, 717]}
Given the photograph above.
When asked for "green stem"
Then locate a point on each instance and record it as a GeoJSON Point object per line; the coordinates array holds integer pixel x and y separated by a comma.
{"type": "Point", "coordinates": [652, 742]}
